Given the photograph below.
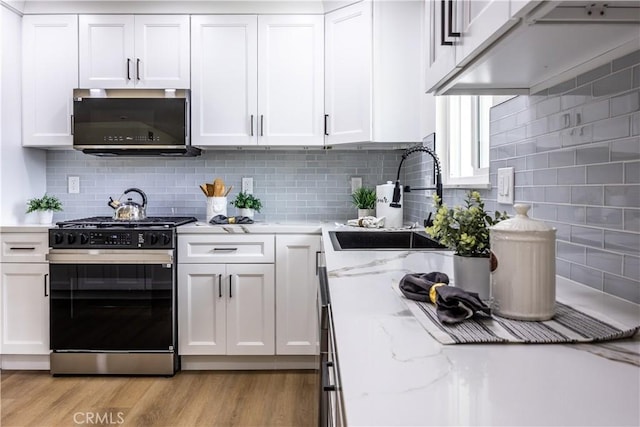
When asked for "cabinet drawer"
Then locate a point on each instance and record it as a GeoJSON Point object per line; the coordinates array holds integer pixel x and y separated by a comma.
{"type": "Point", "coordinates": [215, 248]}
{"type": "Point", "coordinates": [24, 247]}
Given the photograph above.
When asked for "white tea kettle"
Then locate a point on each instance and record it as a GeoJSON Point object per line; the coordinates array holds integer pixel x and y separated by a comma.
{"type": "Point", "coordinates": [129, 210]}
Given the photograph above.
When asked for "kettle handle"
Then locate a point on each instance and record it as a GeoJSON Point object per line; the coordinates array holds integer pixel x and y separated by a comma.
{"type": "Point", "coordinates": [140, 192]}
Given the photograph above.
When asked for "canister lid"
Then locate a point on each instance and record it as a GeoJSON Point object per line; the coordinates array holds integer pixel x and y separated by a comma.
{"type": "Point", "coordinates": [521, 222]}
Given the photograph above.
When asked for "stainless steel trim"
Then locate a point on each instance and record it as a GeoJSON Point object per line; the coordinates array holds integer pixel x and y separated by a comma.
{"type": "Point", "coordinates": [112, 363]}
{"type": "Point", "coordinates": [224, 249]}
{"type": "Point", "coordinates": [103, 256]}
{"type": "Point", "coordinates": [126, 147]}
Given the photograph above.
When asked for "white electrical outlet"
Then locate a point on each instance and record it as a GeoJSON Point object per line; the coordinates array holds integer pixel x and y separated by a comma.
{"type": "Point", "coordinates": [356, 182]}
{"type": "Point", "coordinates": [506, 185]}
{"type": "Point", "coordinates": [247, 185]}
{"type": "Point", "coordinates": [74, 185]}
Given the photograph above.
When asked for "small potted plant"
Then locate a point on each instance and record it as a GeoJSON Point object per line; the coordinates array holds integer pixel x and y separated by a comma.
{"type": "Point", "coordinates": [465, 230]}
{"type": "Point", "coordinates": [44, 206]}
{"type": "Point", "coordinates": [365, 200]}
{"type": "Point", "coordinates": [247, 204]}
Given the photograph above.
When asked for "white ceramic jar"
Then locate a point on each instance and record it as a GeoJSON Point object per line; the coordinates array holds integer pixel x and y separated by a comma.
{"type": "Point", "coordinates": [384, 196]}
{"type": "Point", "coordinates": [523, 276]}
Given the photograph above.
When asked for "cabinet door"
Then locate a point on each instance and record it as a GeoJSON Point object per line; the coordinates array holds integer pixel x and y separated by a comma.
{"type": "Point", "coordinates": [481, 23]}
{"type": "Point", "coordinates": [250, 309]}
{"type": "Point", "coordinates": [224, 80]}
{"type": "Point", "coordinates": [162, 51]}
{"type": "Point", "coordinates": [348, 50]}
{"type": "Point", "coordinates": [24, 291]}
{"type": "Point", "coordinates": [291, 80]}
{"type": "Point", "coordinates": [106, 51]}
{"type": "Point", "coordinates": [441, 59]}
{"type": "Point", "coordinates": [296, 294]}
{"type": "Point", "coordinates": [201, 309]}
{"type": "Point", "coordinates": [50, 73]}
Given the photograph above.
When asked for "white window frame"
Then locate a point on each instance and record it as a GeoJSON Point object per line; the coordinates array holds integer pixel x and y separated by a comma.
{"type": "Point", "coordinates": [445, 141]}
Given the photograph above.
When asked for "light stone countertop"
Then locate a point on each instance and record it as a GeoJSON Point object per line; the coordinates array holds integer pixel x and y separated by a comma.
{"type": "Point", "coordinates": [25, 228]}
{"type": "Point", "coordinates": [394, 373]}
{"type": "Point", "coordinates": [284, 227]}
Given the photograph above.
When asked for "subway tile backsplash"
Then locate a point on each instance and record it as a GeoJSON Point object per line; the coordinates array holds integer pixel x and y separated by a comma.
{"type": "Point", "coordinates": [588, 185]}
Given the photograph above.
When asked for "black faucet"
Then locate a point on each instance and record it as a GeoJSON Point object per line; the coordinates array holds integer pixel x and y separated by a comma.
{"type": "Point", "coordinates": [395, 202]}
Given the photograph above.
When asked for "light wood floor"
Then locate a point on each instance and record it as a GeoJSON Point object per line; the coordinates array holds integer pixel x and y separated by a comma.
{"type": "Point", "coordinates": [189, 399]}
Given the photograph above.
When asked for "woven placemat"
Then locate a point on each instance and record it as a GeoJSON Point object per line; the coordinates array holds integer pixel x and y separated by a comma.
{"type": "Point", "coordinates": [569, 325]}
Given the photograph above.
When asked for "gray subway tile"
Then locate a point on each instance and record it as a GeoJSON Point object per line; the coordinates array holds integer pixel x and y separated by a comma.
{"type": "Point", "coordinates": [508, 107]}
{"type": "Point", "coordinates": [502, 125]}
{"type": "Point", "coordinates": [625, 149]}
{"type": "Point", "coordinates": [587, 195]}
{"type": "Point", "coordinates": [537, 127]}
{"type": "Point", "coordinates": [622, 287]}
{"type": "Point", "coordinates": [503, 152]}
{"type": "Point", "coordinates": [544, 177]}
{"type": "Point", "coordinates": [570, 252]}
{"type": "Point", "coordinates": [622, 196]}
{"type": "Point", "coordinates": [563, 268]}
{"type": "Point", "coordinates": [587, 276]}
{"type": "Point", "coordinates": [544, 212]}
{"type": "Point", "coordinates": [548, 142]}
{"type": "Point", "coordinates": [526, 147]}
{"type": "Point", "coordinates": [571, 214]}
{"type": "Point", "coordinates": [604, 217]}
{"type": "Point", "coordinates": [594, 74]}
{"type": "Point", "coordinates": [613, 128]}
{"type": "Point", "coordinates": [563, 231]}
{"type": "Point", "coordinates": [589, 236]}
{"type": "Point", "coordinates": [572, 175]}
{"type": "Point", "coordinates": [592, 154]}
{"type": "Point", "coordinates": [525, 116]}
{"type": "Point", "coordinates": [624, 104]}
{"type": "Point", "coordinates": [615, 83]}
{"type": "Point", "coordinates": [562, 158]}
{"type": "Point", "coordinates": [632, 173]}
{"type": "Point", "coordinates": [627, 242]}
{"type": "Point", "coordinates": [603, 260]}
{"type": "Point", "coordinates": [632, 220]}
{"type": "Point", "coordinates": [557, 194]}
{"type": "Point", "coordinates": [519, 163]}
{"type": "Point", "coordinates": [631, 267]}
{"type": "Point", "coordinates": [610, 173]}
{"type": "Point", "coordinates": [577, 136]}
{"type": "Point", "coordinates": [548, 106]}
{"type": "Point", "coordinates": [626, 61]}
{"type": "Point", "coordinates": [533, 194]}
{"type": "Point", "coordinates": [523, 178]}
{"type": "Point", "coordinates": [517, 134]}
{"type": "Point", "coordinates": [578, 96]}
{"type": "Point", "coordinates": [592, 112]}
{"type": "Point", "coordinates": [636, 76]}
{"type": "Point", "coordinates": [635, 124]}
{"type": "Point", "coordinates": [538, 161]}
{"type": "Point", "coordinates": [497, 139]}
{"type": "Point", "coordinates": [562, 87]}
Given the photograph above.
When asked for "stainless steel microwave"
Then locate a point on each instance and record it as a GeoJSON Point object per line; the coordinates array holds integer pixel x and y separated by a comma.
{"type": "Point", "coordinates": [132, 122]}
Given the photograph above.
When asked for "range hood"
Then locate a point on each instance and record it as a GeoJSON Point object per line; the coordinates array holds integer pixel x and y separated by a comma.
{"type": "Point", "coordinates": [132, 122]}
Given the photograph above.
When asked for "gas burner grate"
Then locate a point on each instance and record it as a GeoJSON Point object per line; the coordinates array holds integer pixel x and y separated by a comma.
{"type": "Point", "coordinates": [108, 222]}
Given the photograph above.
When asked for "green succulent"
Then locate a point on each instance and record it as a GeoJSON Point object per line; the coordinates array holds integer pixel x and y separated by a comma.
{"type": "Point", "coordinates": [364, 198]}
{"type": "Point", "coordinates": [247, 201]}
{"type": "Point", "coordinates": [464, 229]}
{"type": "Point", "coordinates": [46, 203]}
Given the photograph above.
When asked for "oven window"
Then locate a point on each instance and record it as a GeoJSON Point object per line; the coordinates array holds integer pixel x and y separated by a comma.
{"type": "Point", "coordinates": [111, 307]}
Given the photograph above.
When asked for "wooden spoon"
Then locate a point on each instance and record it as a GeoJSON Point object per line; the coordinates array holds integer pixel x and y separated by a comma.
{"type": "Point", "coordinates": [204, 189]}
{"type": "Point", "coordinates": [228, 191]}
{"type": "Point", "coordinates": [218, 187]}
{"type": "Point", "coordinates": [210, 191]}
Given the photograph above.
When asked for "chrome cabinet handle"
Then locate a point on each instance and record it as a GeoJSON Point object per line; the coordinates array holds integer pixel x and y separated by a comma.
{"type": "Point", "coordinates": [252, 125]}
{"type": "Point", "coordinates": [128, 68]}
{"type": "Point", "coordinates": [138, 68]}
{"type": "Point", "coordinates": [261, 125]}
{"type": "Point", "coordinates": [443, 42]}
{"type": "Point", "coordinates": [225, 249]}
{"type": "Point", "coordinates": [450, 29]}
{"type": "Point", "coordinates": [219, 285]}
{"type": "Point", "coordinates": [326, 125]}
{"type": "Point", "coordinates": [73, 124]}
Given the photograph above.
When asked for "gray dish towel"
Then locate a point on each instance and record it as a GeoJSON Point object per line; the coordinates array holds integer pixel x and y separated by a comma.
{"type": "Point", "coordinates": [221, 219]}
{"type": "Point", "coordinates": [453, 304]}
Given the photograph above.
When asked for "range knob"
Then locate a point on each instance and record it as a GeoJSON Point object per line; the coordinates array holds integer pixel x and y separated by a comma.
{"type": "Point", "coordinates": [153, 238]}
{"type": "Point", "coordinates": [166, 239]}
{"type": "Point", "coordinates": [84, 239]}
{"type": "Point", "coordinates": [71, 238]}
{"type": "Point", "coordinates": [58, 238]}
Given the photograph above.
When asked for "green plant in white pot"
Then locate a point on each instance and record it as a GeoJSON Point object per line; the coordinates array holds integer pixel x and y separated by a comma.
{"type": "Point", "coordinates": [465, 230]}
{"type": "Point", "coordinates": [45, 207]}
{"type": "Point", "coordinates": [365, 200]}
{"type": "Point", "coordinates": [247, 204]}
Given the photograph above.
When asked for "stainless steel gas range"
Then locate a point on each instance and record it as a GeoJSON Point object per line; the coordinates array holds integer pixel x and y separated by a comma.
{"type": "Point", "coordinates": [113, 296]}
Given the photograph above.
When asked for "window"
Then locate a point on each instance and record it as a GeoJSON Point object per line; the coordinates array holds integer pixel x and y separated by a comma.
{"type": "Point", "coordinates": [462, 125]}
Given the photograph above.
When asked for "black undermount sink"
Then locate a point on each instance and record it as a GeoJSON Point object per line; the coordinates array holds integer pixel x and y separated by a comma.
{"type": "Point", "coordinates": [383, 240]}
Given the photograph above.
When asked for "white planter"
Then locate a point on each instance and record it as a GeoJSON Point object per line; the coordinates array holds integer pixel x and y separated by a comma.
{"type": "Point", "coordinates": [45, 217]}
{"type": "Point", "coordinates": [365, 212]}
{"type": "Point", "coordinates": [246, 212]}
{"type": "Point", "coordinates": [472, 274]}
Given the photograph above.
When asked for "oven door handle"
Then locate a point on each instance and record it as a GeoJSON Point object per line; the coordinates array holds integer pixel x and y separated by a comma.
{"type": "Point", "coordinates": [104, 256]}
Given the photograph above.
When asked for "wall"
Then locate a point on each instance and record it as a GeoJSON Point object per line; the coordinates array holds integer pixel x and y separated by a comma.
{"type": "Point", "coordinates": [22, 170]}
{"type": "Point", "coordinates": [293, 185]}
{"type": "Point", "coordinates": [576, 153]}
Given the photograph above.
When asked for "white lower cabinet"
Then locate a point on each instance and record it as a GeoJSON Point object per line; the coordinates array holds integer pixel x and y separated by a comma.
{"type": "Point", "coordinates": [296, 294]}
{"type": "Point", "coordinates": [24, 295]}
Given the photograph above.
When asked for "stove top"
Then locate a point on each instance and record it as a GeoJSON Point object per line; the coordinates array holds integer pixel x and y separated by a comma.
{"type": "Point", "coordinates": [108, 222]}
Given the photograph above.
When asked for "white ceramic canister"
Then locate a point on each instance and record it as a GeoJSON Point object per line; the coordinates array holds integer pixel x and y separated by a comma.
{"type": "Point", "coordinates": [216, 206]}
{"type": "Point", "coordinates": [384, 196]}
{"type": "Point", "coordinates": [523, 276]}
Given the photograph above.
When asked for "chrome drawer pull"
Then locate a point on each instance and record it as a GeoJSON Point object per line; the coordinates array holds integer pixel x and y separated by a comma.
{"type": "Point", "coordinates": [225, 249]}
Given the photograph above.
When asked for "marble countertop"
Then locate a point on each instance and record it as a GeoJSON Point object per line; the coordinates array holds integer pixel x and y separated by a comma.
{"type": "Point", "coordinates": [394, 373]}
{"type": "Point", "coordinates": [284, 227]}
{"type": "Point", "coordinates": [25, 228]}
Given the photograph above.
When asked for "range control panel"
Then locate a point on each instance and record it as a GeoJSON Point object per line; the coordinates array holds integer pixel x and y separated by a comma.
{"type": "Point", "coordinates": [111, 239]}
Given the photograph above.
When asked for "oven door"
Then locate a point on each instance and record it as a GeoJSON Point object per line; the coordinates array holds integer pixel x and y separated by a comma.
{"type": "Point", "coordinates": [112, 300]}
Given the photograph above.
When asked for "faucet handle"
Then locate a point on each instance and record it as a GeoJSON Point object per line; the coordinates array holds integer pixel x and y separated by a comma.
{"type": "Point", "coordinates": [428, 222]}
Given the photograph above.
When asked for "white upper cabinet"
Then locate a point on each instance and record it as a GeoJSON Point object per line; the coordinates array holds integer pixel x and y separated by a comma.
{"type": "Point", "coordinates": [123, 51]}
{"type": "Point", "coordinates": [372, 73]}
{"type": "Point", "coordinates": [50, 73]}
{"type": "Point", "coordinates": [257, 80]}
